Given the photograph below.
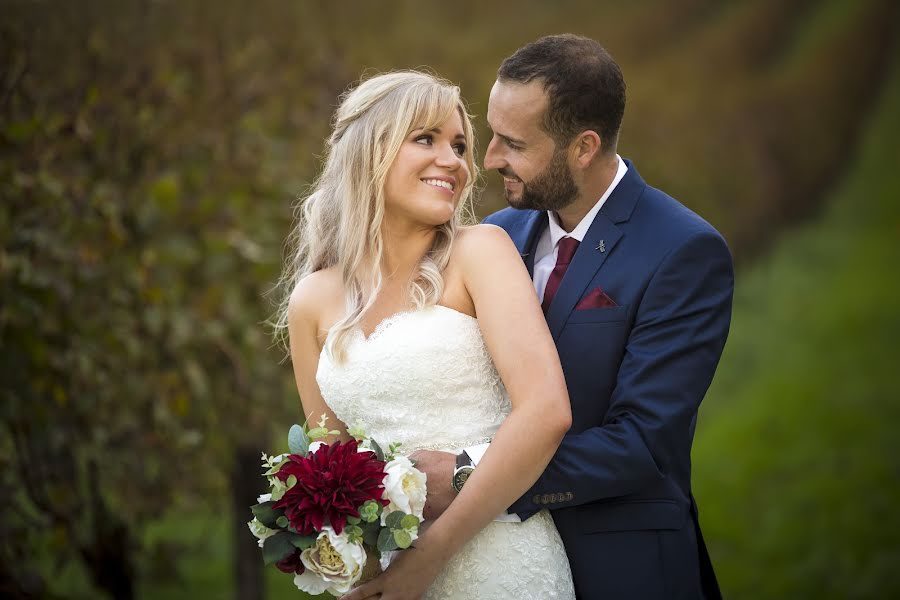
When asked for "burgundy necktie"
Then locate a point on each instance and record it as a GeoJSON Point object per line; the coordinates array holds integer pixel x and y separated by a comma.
{"type": "Point", "coordinates": [567, 248]}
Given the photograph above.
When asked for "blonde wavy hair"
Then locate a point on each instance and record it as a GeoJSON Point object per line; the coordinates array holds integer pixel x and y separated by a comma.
{"type": "Point", "coordinates": [339, 222]}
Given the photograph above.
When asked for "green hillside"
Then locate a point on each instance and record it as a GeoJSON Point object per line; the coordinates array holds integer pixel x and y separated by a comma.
{"type": "Point", "coordinates": [797, 469]}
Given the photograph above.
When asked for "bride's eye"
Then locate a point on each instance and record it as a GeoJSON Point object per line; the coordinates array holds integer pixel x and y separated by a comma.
{"type": "Point", "coordinates": [426, 139]}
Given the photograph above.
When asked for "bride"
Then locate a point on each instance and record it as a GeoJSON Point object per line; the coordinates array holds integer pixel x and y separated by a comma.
{"type": "Point", "coordinates": [422, 331]}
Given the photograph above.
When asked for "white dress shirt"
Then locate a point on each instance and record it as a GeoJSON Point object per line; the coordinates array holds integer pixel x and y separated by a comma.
{"type": "Point", "coordinates": [544, 260]}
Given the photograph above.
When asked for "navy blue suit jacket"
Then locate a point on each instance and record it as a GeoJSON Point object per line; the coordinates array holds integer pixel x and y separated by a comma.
{"type": "Point", "coordinates": [619, 487]}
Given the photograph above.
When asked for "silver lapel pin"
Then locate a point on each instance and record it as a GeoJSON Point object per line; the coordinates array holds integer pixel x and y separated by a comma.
{"type": "Point", "coordinates": [601, 246]}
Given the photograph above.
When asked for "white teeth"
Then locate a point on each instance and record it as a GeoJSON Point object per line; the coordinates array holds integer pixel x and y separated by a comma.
{"type": "Point", "coordinates": [439, 183]}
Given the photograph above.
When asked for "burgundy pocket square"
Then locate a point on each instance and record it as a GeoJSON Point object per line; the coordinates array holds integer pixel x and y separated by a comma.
{"type": "Point", "coordinates": [596, 299]}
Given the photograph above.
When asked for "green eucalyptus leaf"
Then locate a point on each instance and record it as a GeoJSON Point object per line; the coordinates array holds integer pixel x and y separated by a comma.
{"type": "Point", "coordinates": [370, 533]}
{"type": "Point", "coordinates": [298, 442]}
{"type": "Point", "coordinates": [282, 522]}
{"type": "Point", "coordinates": [278, 547]}
{"type": "Point", "coordinates": [386, 541]}
{"type": "Point", "coordinates": [318, 432]}
{"type": "Point", "coordinates": [354, 532]}
{"type": "Point", "coordinates": [267, 515]}
{"type": "Point", "coordinates": [353, 520]}
{"type": "Point", "coordinates": [409, 522]}
{"type": "Point", "coordinates": [392, 451]}
{"type": "Point", "coordinates": [357, 433]}
{"type": "Point", "coordinates": [369, 511]}
{"type": "Point", "coordinates": [402, 538]}
{"type": "Point", "coordinates": [393, 519]}
{"type": "Point", "coordinates": [379, 453]}
{"type": "Point", "coordinates": [291, 481]}
{"type": "Point", "coordinates": [302, 541]}
{"type": "Point", "coordinates": [370, 517]}
{"type": "Point", "coordinates": [276, 468]}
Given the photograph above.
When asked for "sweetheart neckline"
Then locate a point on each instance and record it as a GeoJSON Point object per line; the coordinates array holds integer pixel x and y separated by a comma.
{"type": "Point", "coordinates": [385, 323]}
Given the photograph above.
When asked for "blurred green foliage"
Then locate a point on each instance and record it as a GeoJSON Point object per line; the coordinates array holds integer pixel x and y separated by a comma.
{"type": "Point", "coordinates": [150, 152]}
{"type": "Point", "coordinates": [796, 458]}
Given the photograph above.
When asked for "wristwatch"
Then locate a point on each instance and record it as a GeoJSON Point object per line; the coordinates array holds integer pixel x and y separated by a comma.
{"type": "Point", "coordinates": [464, 468]}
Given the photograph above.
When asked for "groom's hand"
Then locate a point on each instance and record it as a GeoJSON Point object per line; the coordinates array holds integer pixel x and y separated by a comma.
{"type": "Point", "coordinates": [438, 468]}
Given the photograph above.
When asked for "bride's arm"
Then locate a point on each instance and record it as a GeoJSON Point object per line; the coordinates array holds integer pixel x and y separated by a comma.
{"type": "Point", "coordinates": [304, 333]}
{"type": "Point", "coordinates": [520, 344]}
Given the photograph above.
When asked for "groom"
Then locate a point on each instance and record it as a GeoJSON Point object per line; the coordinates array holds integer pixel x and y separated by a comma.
{"type": "Point", "coordinates": [637, 293]}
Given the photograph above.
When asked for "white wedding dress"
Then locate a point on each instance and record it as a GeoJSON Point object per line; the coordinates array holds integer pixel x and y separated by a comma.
{"type": "Point", "coordinates": [424, 378]}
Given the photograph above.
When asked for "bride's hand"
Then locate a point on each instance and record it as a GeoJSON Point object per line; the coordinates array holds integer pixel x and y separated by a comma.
{"type": "Point", "coordinates": [407, 578]}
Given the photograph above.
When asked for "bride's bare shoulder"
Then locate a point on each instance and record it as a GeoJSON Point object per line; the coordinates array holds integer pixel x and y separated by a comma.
{"type": "Point", "coordinates": [483, 244]}
{"type": "Point", "coordinates": [312, 294]}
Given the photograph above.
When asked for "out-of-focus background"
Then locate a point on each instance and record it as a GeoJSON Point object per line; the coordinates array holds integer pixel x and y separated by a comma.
{"type": "Point", "coordinates": [150, 155]}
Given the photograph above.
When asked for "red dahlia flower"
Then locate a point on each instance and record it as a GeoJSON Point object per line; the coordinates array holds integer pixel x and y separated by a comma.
{"type": "Point", "coordinates": [332, 483]}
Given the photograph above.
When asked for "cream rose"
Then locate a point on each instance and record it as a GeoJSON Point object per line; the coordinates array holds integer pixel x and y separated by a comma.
{"type": "Point", "coordinates": [404, 487]}
{"type": "Point", "coordinates": [333, 564]}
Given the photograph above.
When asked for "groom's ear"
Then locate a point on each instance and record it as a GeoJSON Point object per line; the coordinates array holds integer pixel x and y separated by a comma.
{"type": "Point", "coordinates": [585, 147]}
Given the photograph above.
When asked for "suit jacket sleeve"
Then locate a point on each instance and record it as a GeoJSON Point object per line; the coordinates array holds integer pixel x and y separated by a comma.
{"type": "Point", "coordinates": [679, 332]}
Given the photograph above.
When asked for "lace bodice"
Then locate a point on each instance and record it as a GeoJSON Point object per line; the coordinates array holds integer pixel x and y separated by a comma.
{"type": "Point", "coordinates": [423, 378]}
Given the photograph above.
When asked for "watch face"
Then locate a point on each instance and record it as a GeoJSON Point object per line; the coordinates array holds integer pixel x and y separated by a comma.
{"type": "Point", "coordinates": [460, 477]}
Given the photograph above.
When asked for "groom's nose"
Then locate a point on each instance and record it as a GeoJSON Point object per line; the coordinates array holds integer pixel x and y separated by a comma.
{"type": "Point", "coordinates": [493, 156]}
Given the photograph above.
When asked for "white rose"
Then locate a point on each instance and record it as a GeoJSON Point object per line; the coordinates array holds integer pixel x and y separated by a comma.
{"type": "Point", "coordinates": [264, 498]}
{"type": "Point", "coordinates": [260, 531]}
{"type": "Point", "coordinates": [404, 487]}
{"type": "Point", "coordinates": [333, 564]}
{"type": "Point", "coordinates": [315, 446]}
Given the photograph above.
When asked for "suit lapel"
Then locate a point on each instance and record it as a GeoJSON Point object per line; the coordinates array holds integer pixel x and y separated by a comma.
{"type": "Point", "coordinates": [603, 235]}
{"type": "Point", "coordinates": [525, 237]}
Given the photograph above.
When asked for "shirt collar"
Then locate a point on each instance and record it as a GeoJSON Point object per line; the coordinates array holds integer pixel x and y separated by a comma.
{"type": "Point", "coordinates": [556, 230]}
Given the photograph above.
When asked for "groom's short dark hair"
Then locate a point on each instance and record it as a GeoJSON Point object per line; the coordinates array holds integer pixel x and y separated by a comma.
{"type": "Point", "coordinates": [583, 83]}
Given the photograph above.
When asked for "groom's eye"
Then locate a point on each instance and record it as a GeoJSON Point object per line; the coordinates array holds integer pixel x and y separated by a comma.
{"type": "Point", "coordinates": [509, 143]}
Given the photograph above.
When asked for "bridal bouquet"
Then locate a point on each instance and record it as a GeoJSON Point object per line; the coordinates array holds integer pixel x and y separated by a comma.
{"type": "Point", "coordinates": [334, 509]}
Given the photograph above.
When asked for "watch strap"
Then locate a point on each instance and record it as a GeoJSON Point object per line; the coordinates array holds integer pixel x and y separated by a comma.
{"type": "Point", "coordinates": [463, 460]}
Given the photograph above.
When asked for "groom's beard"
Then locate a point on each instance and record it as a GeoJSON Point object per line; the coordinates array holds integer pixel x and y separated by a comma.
{"type": "Point", "coordinates": [551, 189]}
